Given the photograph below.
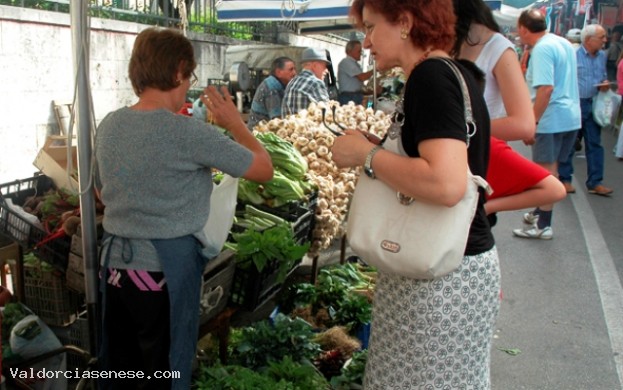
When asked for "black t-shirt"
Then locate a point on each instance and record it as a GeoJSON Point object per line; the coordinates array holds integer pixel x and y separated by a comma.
{"type": "Point", "coordinates": [433, 104]}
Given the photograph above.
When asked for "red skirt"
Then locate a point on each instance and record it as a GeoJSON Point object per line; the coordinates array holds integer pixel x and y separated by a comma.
{"type": "Point", "coordinates": [509, 172]}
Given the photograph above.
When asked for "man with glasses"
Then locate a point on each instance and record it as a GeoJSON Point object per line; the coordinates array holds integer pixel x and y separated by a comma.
{"type": "Point", "coordinates": [592, 77]}
{"type": "Point", "coordinates": [308, 86]}
{"type": "Point", "coordinates": [267, 100]}
{"type": "Point", "coordinates": [351, 76]}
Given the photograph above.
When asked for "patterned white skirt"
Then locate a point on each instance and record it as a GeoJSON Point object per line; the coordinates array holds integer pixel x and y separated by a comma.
{"type": "Point", "coordinates": [435, 334]}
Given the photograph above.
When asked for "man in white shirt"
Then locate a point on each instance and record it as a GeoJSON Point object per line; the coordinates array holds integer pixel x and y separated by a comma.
{"type": "Point", "coordinates": [350, 76]}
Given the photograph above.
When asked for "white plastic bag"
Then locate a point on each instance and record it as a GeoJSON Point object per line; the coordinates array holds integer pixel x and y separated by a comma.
{"type": "Point", "coordinates": [40, 341]}
{"type": "Point", "coordinates": [605, 107]}
{"type": "Point", "coordinates": [618, 149]}
{"type": "Point", "coordinates": [222, 210]}
{"type": "Point", "coordinates": [17, 228]}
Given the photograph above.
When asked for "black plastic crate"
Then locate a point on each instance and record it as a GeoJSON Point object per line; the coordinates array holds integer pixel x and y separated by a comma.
{"type": "Point", "coordinates": [290, 211]}
{"type": "Point", "coordinates": [46, 294]}
{"type": "Point", "coordinates": [303, 227]}
{"type": "Point", "coordinates": [76, 334]}
{"type": "Point", "coordinates": [24, 232]}
{"type": "Point", "coordinates": [251, 288]}
{"type": "Point", "coordinates": [216, 285]}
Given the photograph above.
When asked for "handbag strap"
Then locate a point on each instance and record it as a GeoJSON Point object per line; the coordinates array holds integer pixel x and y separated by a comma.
{"type": "Point", "coordinates": [467, 104]}
{"type": "Point", "coordinates": [469, 118]}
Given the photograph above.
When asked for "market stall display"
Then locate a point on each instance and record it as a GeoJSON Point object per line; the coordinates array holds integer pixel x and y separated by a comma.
{"type": "Point", "coordinates": [287, 350]}
{"type": "Point", "coordinates": [311, 137]}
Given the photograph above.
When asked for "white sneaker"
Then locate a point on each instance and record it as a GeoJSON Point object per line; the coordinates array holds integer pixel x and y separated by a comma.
{"type": "Point", "coordinates": [530, 219]}
{"type": "Point", "coordinates": [534, 232]}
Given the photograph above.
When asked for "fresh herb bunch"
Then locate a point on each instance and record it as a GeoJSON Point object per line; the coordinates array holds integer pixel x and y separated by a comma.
{"type": "Point", "coordinates": [352, 312]}
{"type": "Point", "coordinates": [352, 373]}
{"type": "Point", "coordinates": [262, 247]}
{"type": "Point", "coordinates": [283, 375]}
{"type": "Point", "coordinates": [264, 342]}
{"type": "Point", "coordinates": [334, 292]}
{"type": "Point", "coordinates": [236, 377]}
{"type": "Point", "coordinates": [13, 313]}
{"type": "Point", "coordinates": [302, 376]}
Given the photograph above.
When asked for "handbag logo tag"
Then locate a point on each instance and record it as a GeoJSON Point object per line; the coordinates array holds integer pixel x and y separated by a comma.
{"type": "Point", "coordinates": [390, 246]}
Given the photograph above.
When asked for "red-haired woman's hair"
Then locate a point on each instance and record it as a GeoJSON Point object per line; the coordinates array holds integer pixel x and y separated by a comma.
{"type": "Point", "coordinates": [433, 20]}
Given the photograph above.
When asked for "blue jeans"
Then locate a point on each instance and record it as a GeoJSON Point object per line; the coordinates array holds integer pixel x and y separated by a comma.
{"type": "Point", "coordinates": [345, 97]}
{"type": "Point", "coordinates": [591, 132]}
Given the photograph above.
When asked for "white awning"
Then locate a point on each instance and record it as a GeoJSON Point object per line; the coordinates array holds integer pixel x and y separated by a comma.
{"type": "Point", "coordinates": [281, 10]}
{"type": "Point", "coordinates": [319, 15]}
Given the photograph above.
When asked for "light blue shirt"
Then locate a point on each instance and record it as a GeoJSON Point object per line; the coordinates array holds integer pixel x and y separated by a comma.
{"type": "Point", "coordinates": [347, 72]}
{"type": "Point", "coordinates": [553, 62]}
{"type": "Point", "coordinates": [591, 71]}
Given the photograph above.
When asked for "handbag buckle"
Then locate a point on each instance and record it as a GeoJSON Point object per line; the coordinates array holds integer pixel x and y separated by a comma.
{"type": "Point", "coordinates": [404, 199]}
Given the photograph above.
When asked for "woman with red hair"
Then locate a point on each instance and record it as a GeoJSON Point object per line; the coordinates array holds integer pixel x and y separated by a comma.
{"type": "Point", "coordinates": [428, 333]}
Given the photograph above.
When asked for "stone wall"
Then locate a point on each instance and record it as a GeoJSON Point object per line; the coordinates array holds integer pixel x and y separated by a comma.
{"type": "Point", "coordinates": [36, 68]}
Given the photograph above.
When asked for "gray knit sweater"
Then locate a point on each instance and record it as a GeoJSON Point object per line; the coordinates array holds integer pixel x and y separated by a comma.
{"type": "Point", "coordinates": [154, 174]}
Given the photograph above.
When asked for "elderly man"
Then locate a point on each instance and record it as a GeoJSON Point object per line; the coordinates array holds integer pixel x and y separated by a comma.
{"type": "Point", "coordinates": [553, 83]}
{"type": "Point", "coordinates": [268, 97]}
{"type": "Point", "coordinates": [350, 75]}
{"type": "Point", "coordinates": [308, 86]}
{"type": "Point", "coordinates": [591, 72]}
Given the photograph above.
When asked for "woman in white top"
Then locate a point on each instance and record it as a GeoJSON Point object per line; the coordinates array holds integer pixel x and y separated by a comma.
{"type": "Point", "coordinates": [516, 181]}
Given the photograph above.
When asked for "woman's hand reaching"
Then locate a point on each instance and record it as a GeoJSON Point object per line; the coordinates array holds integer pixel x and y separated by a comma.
{"type": "Point", "coordinates": [221, 108]}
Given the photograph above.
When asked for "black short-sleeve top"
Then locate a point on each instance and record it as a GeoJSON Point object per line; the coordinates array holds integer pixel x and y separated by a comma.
{"type": "Point", "coordinates": [433, 105]}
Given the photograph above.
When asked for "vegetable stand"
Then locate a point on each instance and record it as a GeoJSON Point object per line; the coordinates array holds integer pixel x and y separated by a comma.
{"type": "Point", "coordinates": [309, 194]}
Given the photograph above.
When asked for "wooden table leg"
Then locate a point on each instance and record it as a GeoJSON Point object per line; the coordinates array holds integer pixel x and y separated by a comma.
{"type": "Point", "coordinates": [314, 270]}
{"type": "Point", "coordinates": [343, 250]}
{"type": "Point", "coordinates": [219, 325]}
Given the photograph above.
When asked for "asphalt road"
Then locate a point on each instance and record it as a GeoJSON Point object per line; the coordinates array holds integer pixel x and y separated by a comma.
{"type": "Point", "coordinates": [562, 304]}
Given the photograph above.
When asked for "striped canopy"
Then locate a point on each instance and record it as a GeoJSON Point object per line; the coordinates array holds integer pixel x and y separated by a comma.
{"type": "Point", "coordinates": [279, 10]}
{"type": "Point", "coordinates": [316, 15]}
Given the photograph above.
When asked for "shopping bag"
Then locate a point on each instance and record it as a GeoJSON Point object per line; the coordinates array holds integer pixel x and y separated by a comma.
{"type": "Point", "coordinates": [605, 107]}
{"type": "Point", "coordinates": [221, 218]}
{"type": "Point", "coordinates": [618, 148]}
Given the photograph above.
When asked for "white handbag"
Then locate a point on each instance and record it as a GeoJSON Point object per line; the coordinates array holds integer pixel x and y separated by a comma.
{"type": "Point", "coordinates": [400, 235]}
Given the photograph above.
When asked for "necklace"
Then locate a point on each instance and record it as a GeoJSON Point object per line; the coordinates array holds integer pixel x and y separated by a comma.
{"type": "Point", "coordinates": [398, 117]}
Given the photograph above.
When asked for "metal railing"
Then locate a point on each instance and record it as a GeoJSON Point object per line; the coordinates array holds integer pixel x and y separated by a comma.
{"type": "Point", "coordinates": [200, 16]}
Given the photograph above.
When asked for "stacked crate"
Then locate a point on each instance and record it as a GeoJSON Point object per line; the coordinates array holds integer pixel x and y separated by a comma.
{"type": "Point", "coordinates": [252, 288]}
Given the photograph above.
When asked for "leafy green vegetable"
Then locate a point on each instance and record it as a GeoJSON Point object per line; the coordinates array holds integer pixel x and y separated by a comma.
{"type": "Point", "coordinates": [285, 156]}
{"type": "Point", "coordinates": [274, 243]}
{"type": "Point", "coordinates": [264, 342]}
{"type": "Point", "coordinates": [280, 375]}
{"type": "Point", "coordinates": [236, 378]}
{"type": "Point", "coordinates": [352, 372]}
{"type": "Point", "coordinates": [333, 291]}
{"type": "Point", "coordinates": [249, 192]}
{"type": "Point", "coordinates": [302, 376]}
{"type": "Point", "coordinates": [13, 313]}
{"type": "Point", "coordinates": [283, 188]}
